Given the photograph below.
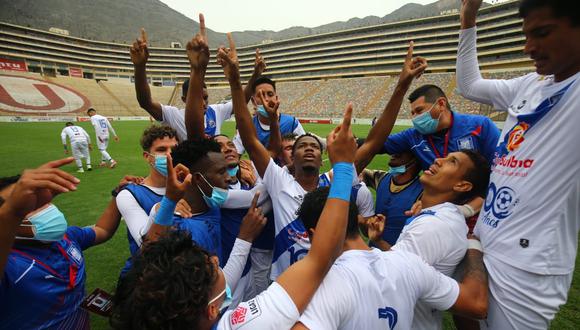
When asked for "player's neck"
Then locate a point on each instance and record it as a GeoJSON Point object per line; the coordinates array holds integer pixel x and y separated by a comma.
{"type": "Point", "coordinates": [430, 199]}
{"type": "Point", "coordinates": [354, 244]}
{"type": "Point", "coordinates": [308, 179]}
{"type": "Point", "coordinates": [574, 69]}
{"type": "Point", "coordinates": [155, 180]}
{"type": "Point", "coordinates": [195, 201]}
{"type": "Point", "coordinates": [404, 178]}
{"type": "Point", "coordinates": [264, 120]}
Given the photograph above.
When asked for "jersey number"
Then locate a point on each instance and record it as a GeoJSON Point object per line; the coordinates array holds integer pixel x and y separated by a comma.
{"type": "Point", "coordinates": [103, 123]}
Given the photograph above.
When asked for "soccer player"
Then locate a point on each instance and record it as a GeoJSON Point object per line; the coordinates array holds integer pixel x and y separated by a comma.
{"type": "Point", "coordinates": [285, 156]}
{"type": "Point", "coordinates": [80, 144]}
{"type": "Point", "coordinates": [102, 127]}
{"type": "Point", "coordinates": [215, 114]}
{"type": "Point", "coordinates": [439, 234]}
{"type": "Point", "coordinates": [136, 200]}
{"type": "Point", "coordinates": [198, 306]}
{"type": "Point", "coordinates": [264, 94]}
{"type": "Point", "coordinates": [43, 281]}
{"type": "Point", "coordinates": [370, 289]}
{"type": "Point", "coordinates": [397, 191]}
{"type": "Point", "coordinates": [530, 221]}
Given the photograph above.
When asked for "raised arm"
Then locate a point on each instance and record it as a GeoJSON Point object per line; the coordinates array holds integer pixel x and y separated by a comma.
{"type": "Point", "coordinates": [228, 59]}
{"type": "Point", "coordinates": [412, 68]}
{"type": "Point", "coordinates": [198, 56]}
{"type": "Point", "coordinates": [275, 140]}
{"type": "Point", "coordinates": [259, 68]}
{"type": "Point", "coordinates": [302, 279]}
{"type": "Point", "coordinates": [34, 189]}
{"type": "Point", "coordinates": [139, 56]}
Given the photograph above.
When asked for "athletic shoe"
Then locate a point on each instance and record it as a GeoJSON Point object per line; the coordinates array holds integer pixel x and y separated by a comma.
{"type": "Point", "coordinates": [80, 170]}
{"type": "Point", "coordinates": [89, 168]}
{"type": "Point", "coordinates": [113, 163]}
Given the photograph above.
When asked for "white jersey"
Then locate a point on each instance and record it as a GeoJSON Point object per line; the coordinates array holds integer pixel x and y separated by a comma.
{"type": "Point", "coordinates": [272, 309]}
{"type": "Point", "coordinates": [531, 217]}
{"type": "Point", "coordinates": [439, 236]}
{"type": "Point", "coordinates": [371, 289]}
{"type": "Point", "coordinates": [213, 118]}
{"type": "Point", "coordinates": [102, 126]}
{"type": "Point", "coordinates": [292, 242]}
{"type": "Point", "coordinates": [75, 134]}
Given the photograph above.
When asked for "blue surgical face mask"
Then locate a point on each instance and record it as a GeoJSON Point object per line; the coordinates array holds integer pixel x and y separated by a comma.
{"type": "Point", "coordinates": [424, 123]}
{"type": "Point", "coordinates": [47, 225]}
{"type": "Point", "coordinates": [398, 170]}
{"type": "Point", "coordinates": [227, 301]}
{"type": "Point", "coordinates": [218, 195]}
{"type": "Point", "coordinates": [161, 164]}
{"type": "Point", "coordinates": [262, 111]}
{"type": "Point", "coordinates": [233, 171]}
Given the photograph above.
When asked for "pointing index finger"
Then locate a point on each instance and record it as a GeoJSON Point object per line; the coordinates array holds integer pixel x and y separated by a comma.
{"type": "Point", "coordinates": [345, 127]}
{"type": "Point", "coordinates": [232, 44]}
{"type": "Point", "coordinates": [255, 200]}
{"type": "Point", "coordinates": [410, 51]}
{"type": "Point", "coordinates": [143, 35]}
{"type": "Point", "coordinates": [202, 26]}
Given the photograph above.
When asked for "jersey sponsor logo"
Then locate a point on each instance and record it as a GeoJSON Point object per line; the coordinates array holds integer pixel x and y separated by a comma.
{"type": "Point", "coordinates": [75, 254]}
{"type": "Point", "coordinates": [499, 204]}
{"type": "Point", "coordinates": [36, 96]}
{"type": "Point", "coordinates": [465, 143]}
{"type": "Point", "coordinates": [513, 162]}
{"type": "Point", "coordinates": [524, 242]}
{"type": "Point", "coordinates": [241, 315]}
{"type": "Point", "coordinates": [238, 316]}
{"type": "Point", "coordinates": [390, 314]}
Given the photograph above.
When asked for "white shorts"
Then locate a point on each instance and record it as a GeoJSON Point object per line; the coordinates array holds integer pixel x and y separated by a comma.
{"type": "Point", "coordinates": [80, 149]}
{"type": "Point", "coordinates": [102, 142]}
{"type": "Point", "coordinates": [520, 299]}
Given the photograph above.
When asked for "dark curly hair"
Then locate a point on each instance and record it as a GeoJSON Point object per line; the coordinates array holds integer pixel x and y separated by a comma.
{"type": "Point", "coordinates": [307, 135]}
{"type": "Point", "coordinates": [155, 132]}
{"type": "Point", "coordinates": [168, 286]}
{"type": "Point", "coordinates": [192, 152]}
{"type": "Point", "coordinates": [312, 206]}
{"type": "Point", "coordinates": [478, 174]}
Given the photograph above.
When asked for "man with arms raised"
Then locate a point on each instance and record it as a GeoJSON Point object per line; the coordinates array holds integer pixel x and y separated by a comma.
{"type": "Point", "coordinates": [530, 221]}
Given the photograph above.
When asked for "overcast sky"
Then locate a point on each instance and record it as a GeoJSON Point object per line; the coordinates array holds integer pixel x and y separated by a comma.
{"type": "Point", "coordinates": [239, 15]}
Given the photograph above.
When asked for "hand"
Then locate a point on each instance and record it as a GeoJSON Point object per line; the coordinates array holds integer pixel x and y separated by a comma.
{"type": "Point", "coordinates": [253, 222]}
{"type": "Point", "coordinates": [228, 59]}
{"type": "Point", "coordinates": [468, 14]}
{"type": "Point", "coordinates": [413, 67]}
{"type": "Point", "coordinates": [116, 138]}
{"type": "Point", "coordinates": [271, 106]}
{"type": "Point", "coordinates": [415, 209]}
{"type": "Point", "coordinates": [376, 227]}
{"type": "Point", "coordinates": [197, 49]}
{"type": "Point", "coordinates": [38, 187]}
{"type": "Point", "coordinates": [259, 64]}
{"type": "Point", "coordinates": [183, 209]}
{"type": "Point", "coordinates": [131, 179]}
{"type": "Point", "coordinates": [178, 180]}
{"type": "Point", "coordinates": [139, 51]}
{"type": "Point", "coordinates": [341, 144]}
{"type": "Point", "coordinates": [247, 174]}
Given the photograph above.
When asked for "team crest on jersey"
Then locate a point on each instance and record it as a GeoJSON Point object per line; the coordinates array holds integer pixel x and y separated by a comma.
{"type": "Point", "coordinates": [211, 123]}
{"type": "Point", "coordinates": [499, 204]}
{"type": "Point", "coordinates": [516, 136]}
{"type": "Point", "coordinates": [465, 143]}
{"type": "Point", "coordinates": [244, 314]}
{"type": "Point", "coordinates": [75, 254]}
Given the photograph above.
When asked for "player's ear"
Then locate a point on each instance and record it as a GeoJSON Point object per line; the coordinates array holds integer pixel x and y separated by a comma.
{"type": "Point", "coordinates": [183, 99]}
{"type": "Point", "coordinates": [213, 312]}
{"type": "Point", "coordinates": [462, 186]}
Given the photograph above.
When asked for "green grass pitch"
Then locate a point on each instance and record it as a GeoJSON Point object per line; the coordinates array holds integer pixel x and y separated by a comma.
{"type": "Point", "coordinates": [28, 145]}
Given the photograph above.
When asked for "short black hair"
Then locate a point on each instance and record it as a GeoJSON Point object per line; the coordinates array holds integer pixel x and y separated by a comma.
{"type": "Point", "coordinates": [185, 87]}
{"type": "Point", "coordinates": [155, 132]}
{"type": "Point", "coordinates": [6, 182]}
{"type": "Point", "coordinates": [312, 206]}
{"type": "Point", "coordinates": [430, 92]}
{"type": "Point", "coordinates": [560, 8]}
{"type": "Point", "coordinates": [191, 152]}
{"type": "Point", "coordinates": [306, 135]}
{"type": "Point", "coordinates": [289, 137]}
{"type": "Point", "coordinates": [262, 80]}
{"type": "Point", "coordinates": [91, 109]}
{"type": "Point", "coordinates": [218, 135]}
{"type": "Point", "coordinates": [168, 286]}
{"type": "Point", "coordinates": [478, 175]}
{"type": "Point", "coordinates": [68, 123]}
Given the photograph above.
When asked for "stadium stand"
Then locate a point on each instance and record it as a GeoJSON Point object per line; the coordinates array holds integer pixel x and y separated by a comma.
{"type": "Point", "coordinates": [316, 75]}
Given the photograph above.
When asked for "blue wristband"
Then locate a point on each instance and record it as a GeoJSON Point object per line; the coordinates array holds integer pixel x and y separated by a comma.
{"type": "Point", "coordinates": [164, 216]}
{"type": "Point", "coordinates": [342, 175]}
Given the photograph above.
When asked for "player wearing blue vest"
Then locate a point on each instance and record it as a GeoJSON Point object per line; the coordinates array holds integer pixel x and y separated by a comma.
{"type": "Point", "coordinates": [264, 93]}
{"type": "Point", "coordinates": [215, 114]}
{"type": "Point", "coordinates": [136, 200]}
{"type": "Point", "coordinates": [43, 273]}
{"type": "Point", "coordinates": [397, 191]}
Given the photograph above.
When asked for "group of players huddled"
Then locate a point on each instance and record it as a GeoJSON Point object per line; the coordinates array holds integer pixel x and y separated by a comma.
{"type": "Point", "coordinates": [468, 218]}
